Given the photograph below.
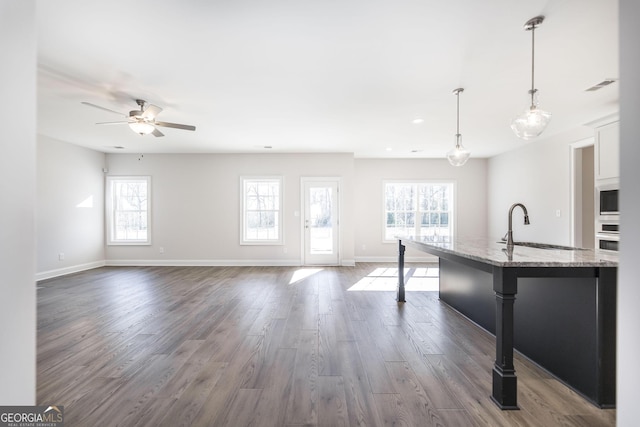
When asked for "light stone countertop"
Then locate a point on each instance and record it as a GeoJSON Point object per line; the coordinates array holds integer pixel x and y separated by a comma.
{"type": "Point", "coordinates": [490, 251]}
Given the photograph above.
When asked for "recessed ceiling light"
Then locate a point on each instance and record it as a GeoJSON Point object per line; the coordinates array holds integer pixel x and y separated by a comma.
{"type": "Point", "coordinates": [268, 147]}
{"type": "Point", "coordinates": [118, 147]}
{"type": "Point", "coordinates": [417, 121]}
{"type": "Point", "coordinates": [416, 151]}
{"type": "Point", "coordinates": [389, 149]}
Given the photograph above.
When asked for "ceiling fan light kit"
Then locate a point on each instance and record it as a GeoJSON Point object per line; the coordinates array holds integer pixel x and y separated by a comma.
{"type": "Point", "coordinates": [142, 127]}
{"type": "Point", "coordinates": [533, 121]}
{"type": "Point", "coordinates": [143, 121]}
{"type": "Point", "coordinates": [458, 155]}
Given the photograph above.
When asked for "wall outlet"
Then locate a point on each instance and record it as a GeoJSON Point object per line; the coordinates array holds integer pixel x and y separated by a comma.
{"type": "Point", "coordinates": [284, 250]}
{"type": "Point", "coordinates": [558, 213]}
{"type": "Point", "coordinates": [61, 256]}
{"type": "Point", "coordinates": [364, 247]}
{"type": "Point", "coordinates": [161, 249]}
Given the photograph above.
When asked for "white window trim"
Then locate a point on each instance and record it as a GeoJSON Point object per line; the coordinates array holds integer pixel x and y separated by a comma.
{"type": "Point", "coordinates": [109, 211]}
{"type": "Point", "coordinates": [273, 242]}
{"type": "Point", "coordinates": [453, 201]}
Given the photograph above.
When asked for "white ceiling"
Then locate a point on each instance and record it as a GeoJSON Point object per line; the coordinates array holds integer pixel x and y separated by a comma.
{"type": "Point", "coordinates": [321, 76]}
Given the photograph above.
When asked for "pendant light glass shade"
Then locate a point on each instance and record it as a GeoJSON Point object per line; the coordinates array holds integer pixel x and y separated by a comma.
{"type": "Point", "coordinates": [143, 128]}
{"type": "Point", "coordinates": [533, 121]}
{"type": "Point", "coordinates": [458, 155]}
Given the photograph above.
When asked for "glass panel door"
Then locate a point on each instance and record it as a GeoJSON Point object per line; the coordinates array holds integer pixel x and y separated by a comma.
{"type": "Point", "coordinates": [320, 222]}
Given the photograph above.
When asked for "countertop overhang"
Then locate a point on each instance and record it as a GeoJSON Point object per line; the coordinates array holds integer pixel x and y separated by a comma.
{"type": "Point", "coordinates": [490, 251]}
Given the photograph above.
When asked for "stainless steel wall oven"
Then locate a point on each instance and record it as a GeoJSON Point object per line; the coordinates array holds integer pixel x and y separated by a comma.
{"type": "Point", "coordinates": [607, 235]}
{"type": "Point", "coordinates": [607, 217]}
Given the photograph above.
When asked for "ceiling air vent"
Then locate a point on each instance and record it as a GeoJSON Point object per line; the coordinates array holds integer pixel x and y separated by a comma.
{"type": "Point", "coordinates": [600, 85]}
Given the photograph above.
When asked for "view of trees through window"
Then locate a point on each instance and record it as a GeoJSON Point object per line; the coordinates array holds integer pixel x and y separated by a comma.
{"type": "Point", "coordinates": [418, 209]}
{"type": "Point", "coordinates": [129, 210]}
{"type": "Point", "coordinates": [320, 204]}
{"type": "Point", "coordinates": [261, 210]}
{"type": "Point", "coordinates": [320, 220]}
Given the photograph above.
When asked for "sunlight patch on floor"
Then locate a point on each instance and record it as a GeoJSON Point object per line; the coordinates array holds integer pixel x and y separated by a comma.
{"type": "Point", "coordinates": [303, 273]}
{"type": "Point", "coordinates": [386, 279]}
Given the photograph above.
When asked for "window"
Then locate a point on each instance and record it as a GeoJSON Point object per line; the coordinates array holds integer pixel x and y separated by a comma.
{"type": "Point", "coordinates": [261, 210]}
{"type": "Point", "coordinates": [128, 210]}
{"type": "Point", "coordinates": [418, 209]}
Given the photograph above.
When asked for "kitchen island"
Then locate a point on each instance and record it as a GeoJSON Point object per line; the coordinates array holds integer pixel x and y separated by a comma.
{"type": "Point", "coordinates": [564, 318]}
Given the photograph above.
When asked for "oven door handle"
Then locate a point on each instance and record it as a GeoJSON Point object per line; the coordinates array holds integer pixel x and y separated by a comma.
{"type": "Point", "coordinates": [608, 236]}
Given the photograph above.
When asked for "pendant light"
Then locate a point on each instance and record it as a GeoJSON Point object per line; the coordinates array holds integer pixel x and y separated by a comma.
{"type": "Point", "coordinates": [533, 121]}
{"type": "Point", "coordinates": [458, 155]}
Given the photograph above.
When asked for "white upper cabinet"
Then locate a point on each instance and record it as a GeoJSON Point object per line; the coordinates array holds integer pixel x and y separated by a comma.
{"type": "Point", "coordinates": [607, 152]}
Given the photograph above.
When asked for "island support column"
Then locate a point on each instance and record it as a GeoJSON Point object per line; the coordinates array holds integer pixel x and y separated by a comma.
{"type": "Point", "coordinates": [505, 383]}
{"type": "Point", "coordinates": [400, 295]}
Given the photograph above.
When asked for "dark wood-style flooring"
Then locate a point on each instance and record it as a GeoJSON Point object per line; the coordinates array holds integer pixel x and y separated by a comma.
{"type": "Point", "coordinates": [274, 346]}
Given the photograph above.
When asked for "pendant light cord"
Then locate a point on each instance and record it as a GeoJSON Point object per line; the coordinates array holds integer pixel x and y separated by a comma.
{"type": "Point", "coordinates": [533, 61]}
{"type": "Point", "coordinates": [457, 92]}
{"type": "Point", "coordinates": [458, 114]}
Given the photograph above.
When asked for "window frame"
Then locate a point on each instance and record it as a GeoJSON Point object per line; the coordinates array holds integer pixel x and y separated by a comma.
{"type": "Point", "coordinates": [451, 211]}
{"type": "Point", "coordinates": [110, 211]}
{"type": "Point", "coordinates": [244, 241]}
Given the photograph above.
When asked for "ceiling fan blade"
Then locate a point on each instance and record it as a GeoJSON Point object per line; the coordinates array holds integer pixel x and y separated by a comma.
{"type": "Point", "coordinates": [156, 132]}
{"type": "Point", "coordinates": [102, 108]}
{"type": "Point", "coordinates": [175, 125]}
{"type": "Point", "coordinates": [112, 123]}
{"type": "Point", "coordinates": [151, 112]}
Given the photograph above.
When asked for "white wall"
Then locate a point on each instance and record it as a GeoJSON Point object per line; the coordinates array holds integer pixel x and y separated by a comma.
{"type": "Point", "coordinates": [196, 206]}
{"type": "Point", "coordinates": [70, 217]}
{"type": "Point", "coordinates": [471, 200]}
{"type": "Point", "coordinates": [538, 175]}
{"type": "Point", "coordinates": [628, 393]}
{"type": "Point", "coordinates": [18, 193]}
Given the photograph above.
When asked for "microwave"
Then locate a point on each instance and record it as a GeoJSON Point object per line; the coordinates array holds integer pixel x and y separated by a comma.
{"type": "Point", "coordinates": [607, 201]}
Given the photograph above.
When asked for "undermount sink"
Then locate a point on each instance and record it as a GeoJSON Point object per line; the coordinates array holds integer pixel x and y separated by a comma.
{"type": "Point", "coordinates": [544, 246]}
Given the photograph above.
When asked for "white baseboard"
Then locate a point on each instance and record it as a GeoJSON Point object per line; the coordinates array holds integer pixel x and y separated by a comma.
{"type": "Point", "coordinates": [202, 263]}
{"type": "Point", "coordinates": [348, 263]}
{"type": "Point", "coordinates": [43, 275]}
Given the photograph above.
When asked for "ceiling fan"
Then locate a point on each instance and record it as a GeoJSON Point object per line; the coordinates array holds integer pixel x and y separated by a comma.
{"type": "Point", "coordinates": [142, 121]}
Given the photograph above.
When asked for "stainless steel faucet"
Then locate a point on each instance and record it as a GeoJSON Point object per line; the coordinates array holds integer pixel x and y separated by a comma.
{"type": "Point", "coordinates": [526, 222]}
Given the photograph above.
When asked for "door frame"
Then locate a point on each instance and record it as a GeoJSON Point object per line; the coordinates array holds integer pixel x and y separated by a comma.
{"type": "Point", "coordinates": [576, 189]}
{"type": "Point", "coordinates": [303, 181]}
